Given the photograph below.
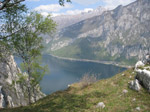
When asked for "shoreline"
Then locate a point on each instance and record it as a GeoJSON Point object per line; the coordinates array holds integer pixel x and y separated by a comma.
{"type": "Point", "coordinates": [94, 61]}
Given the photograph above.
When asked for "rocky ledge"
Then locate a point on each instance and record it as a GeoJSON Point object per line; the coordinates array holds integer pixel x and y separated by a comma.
{"type": "Point", "coordinates": [142, 69]}
{"type": "Point", "coordinates": [11, 93]}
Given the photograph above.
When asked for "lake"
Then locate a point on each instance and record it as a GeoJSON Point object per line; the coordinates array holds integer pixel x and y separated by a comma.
{"type": "Point", "coordinates": [65, 72]}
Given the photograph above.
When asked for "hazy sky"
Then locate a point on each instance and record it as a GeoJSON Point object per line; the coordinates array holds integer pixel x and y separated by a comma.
{"type": "Point", "coordinates": [52, 6]}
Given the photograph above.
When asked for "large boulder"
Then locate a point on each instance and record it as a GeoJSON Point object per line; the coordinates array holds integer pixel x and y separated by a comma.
{"type": "Point", "coordinates": [134, 85]}
{"type": "Point", "coordinates": [143, 77]}
{"type": "Point", "coordinates": [139, 64]}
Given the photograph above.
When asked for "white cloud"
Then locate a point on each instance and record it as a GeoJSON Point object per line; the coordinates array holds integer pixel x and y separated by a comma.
{"type": "Point", "coordinates": [73, 12]}
{"type": "Point", "coordinates": [68, 12]}
{"type": "Point", "coordinates": [52, 8]}
{"type": "Point", "coordinates": [44, 13]}
{"type": "Point", "coordinates": [85, 2]}
{"type": "Point", "coordinates": [111, 4]}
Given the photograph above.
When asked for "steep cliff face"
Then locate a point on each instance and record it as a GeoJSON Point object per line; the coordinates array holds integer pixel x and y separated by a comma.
{"type": "Point", "coordinates": [121, 35]}
{"type": "Point", "coordinates": [11, 93]}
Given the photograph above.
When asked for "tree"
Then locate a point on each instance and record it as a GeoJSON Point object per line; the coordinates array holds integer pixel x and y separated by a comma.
{"type": "Point", "coordinates": [20, 34]}
{"type": "Point", "coordinates": [10, 3]}
{"type": "Point", "coordinates": [27, 44]}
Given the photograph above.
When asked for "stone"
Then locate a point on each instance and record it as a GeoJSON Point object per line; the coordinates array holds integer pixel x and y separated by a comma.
{"type": "Point", "coordinates": [100, 105]}
{"type": "Point", "coordinates": [123, 74]}
{"type": "Point", "coordinates": [125, 91]}
{"type": "Point", "coordinates": [139, 64]}
{"type": "Point", "coordinates": [135, 85]}
{"type": "Point", "coordinates": [143, 77]}
{"type": "Point", "coordinates": [138, 108]}
{"type": "Point", "coordinates": [134, 99]}
{"type": "Point", "coordinates": [2, 100]}
{"type": "Point", "coordinates": [11, 104]}
{"type": "Point", "coordinates": [147, 59]}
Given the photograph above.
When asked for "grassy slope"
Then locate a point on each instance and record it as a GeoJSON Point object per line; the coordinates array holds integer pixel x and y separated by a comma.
{"type": "Point", "coordinates": [109, 91]}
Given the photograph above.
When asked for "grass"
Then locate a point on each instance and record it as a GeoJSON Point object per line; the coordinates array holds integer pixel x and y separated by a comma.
{"type": "Point", "coordinates": [77, 99]}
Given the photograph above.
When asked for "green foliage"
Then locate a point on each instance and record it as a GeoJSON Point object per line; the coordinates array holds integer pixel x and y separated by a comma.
{"type": "Point", "coordinates": [27, 44]}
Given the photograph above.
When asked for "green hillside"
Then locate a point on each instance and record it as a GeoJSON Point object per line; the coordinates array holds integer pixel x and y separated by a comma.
{"type": "Point", "coordinates": [109, 91]}
{"type": "Point", "coordinates": [88, 48]}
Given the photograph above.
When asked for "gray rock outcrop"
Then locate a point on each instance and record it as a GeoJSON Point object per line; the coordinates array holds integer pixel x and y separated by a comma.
{"type": "Point", "coordinates": [12, 93]}
{"type": "Point", "coordinates": [135, 85]}
{"type": "Point", "coordinates": [142, 69]}
{"type": "Point", "coordinates": [144, 78]}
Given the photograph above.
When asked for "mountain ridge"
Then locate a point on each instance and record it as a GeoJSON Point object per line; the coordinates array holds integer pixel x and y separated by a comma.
{"type": "Point", "coordinates": [120, 35]}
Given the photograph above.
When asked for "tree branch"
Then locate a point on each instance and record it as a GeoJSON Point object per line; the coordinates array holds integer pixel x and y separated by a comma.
{"type": "Point", "coordinates": [6, 4]}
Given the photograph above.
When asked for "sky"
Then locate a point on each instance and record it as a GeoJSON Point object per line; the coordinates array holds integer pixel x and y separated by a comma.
{"type": "Point", "coordinates": [77, 6]}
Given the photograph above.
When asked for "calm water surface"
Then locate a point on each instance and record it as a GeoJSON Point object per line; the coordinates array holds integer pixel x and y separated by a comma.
{"type": "Point", "coordinates": [64, 72]}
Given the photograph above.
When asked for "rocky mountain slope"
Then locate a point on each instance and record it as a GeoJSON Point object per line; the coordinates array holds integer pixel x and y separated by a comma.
{"type": "Point", "coordinates": [119, 35]}
{"type": "Point", "coordinates": [67, 20]}
{"type": "Point", "coordinates": [12, 93]}
{"type": "Point", "coordinates": [125, 92]}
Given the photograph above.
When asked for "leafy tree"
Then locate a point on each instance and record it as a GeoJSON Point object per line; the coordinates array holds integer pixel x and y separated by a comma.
{"type": "Point", "coordinates": [27, 43]}
{"type": "Point", "coordinates": [20, 34]}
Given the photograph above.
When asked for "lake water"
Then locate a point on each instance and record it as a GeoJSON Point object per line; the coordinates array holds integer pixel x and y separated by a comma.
{"type": "Point", "coordinates": [64, 72]}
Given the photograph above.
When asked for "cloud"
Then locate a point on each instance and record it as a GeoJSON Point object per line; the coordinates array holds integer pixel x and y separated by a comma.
{"type": "Point", "coordinates": [69, 12]}
{"type": "Point", "coordinates": [74, 12]}
{"type": "Point", "coordinates": [111, 4]}
{"type": "Point", "coordinates": [52, 8]}
{"type": "Point", "coordinates": [85, 2]}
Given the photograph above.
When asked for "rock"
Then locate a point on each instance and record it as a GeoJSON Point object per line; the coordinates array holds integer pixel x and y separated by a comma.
{"type": "Point", "coordinates": [134, 99]}
{"type": "Point", "coordinates": [139, 64]}
{"type": "Point", "coordinates": [143, 77]}
{"type": "Point", "coordinates": [138, 108]}
{"type": "Point", "coordinates": [2, 100]}
{"type": "Point", "coordinates": [12, 93]}
{"type": "Point", "coordinates": [100, 105]}
{"type": "Point", "coordinates": [10, 102]}
{"type": "Point", "coordinates": [134, 85]}
{"type": "Point", "coordinates": [69, 85]}
{"type": "Point", "coordinates": [147, 61]}
{"type": "Point", "coordinates": [125, 91]}
{"type": "Point", "coordinates": [123, 74]}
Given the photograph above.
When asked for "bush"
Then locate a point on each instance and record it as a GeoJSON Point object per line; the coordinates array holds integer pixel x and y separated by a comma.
{"type": "Point", "coordinates": [88, 79]}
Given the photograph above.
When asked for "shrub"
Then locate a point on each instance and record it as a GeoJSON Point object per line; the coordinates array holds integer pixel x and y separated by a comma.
{"type": "Point", "coordinates": [88, 79]}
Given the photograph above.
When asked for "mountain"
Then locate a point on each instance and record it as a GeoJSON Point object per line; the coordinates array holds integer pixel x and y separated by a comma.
{"type": "Point", "coordinates": [67, 20]}
{"type": "Point", "coordinates": [120, 35]}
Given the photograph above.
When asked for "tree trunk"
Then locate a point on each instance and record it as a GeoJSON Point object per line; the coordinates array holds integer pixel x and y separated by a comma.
{"type": "Point", "coordinates": [29, 83]}
{"type": "Point", "coordinates": [34, 94]}
{"type": "Point", "coordinates": [29, 95]}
